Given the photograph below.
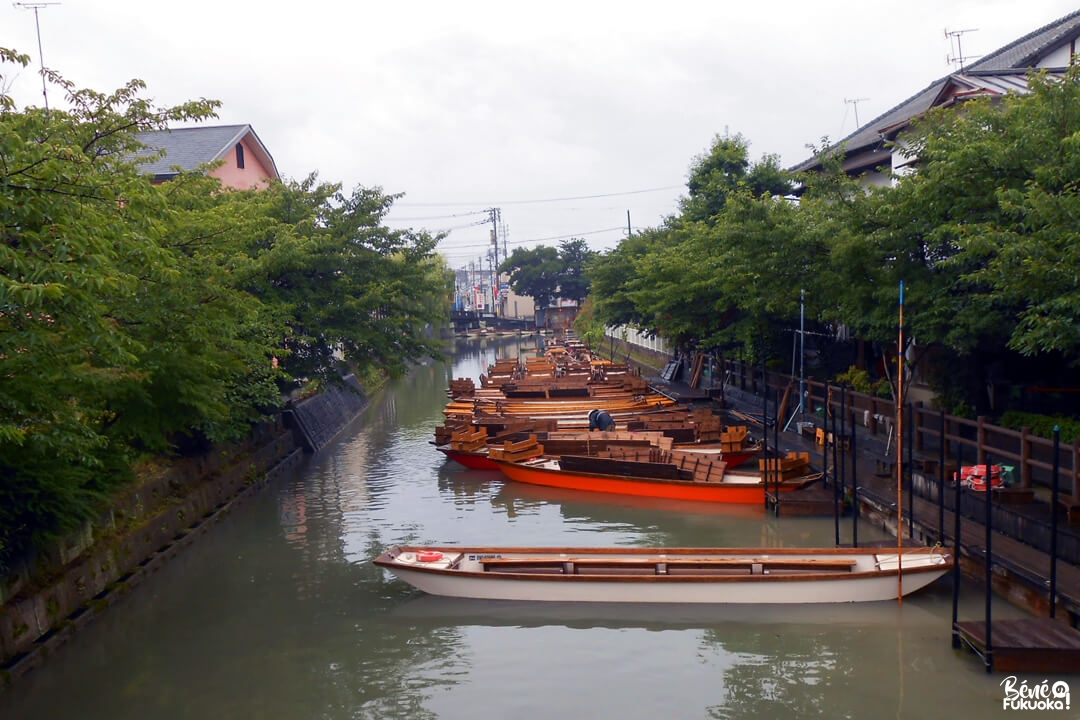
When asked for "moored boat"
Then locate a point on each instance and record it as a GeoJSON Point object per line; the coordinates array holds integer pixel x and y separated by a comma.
{"type": "Point", "coordinates": [672, 475]}
{"type": "Point", "coordinates": [659, 480]}
{"type": "Point", "coordinates": [667, 575]}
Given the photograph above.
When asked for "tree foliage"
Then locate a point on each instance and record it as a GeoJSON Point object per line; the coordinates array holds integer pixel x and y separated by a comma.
{"type": "Point", "coordinates": [142, 318]}
{"type": "Point", "coordinates": [982, 235]}
{"type": "Point", "coordinates": [546, 273]}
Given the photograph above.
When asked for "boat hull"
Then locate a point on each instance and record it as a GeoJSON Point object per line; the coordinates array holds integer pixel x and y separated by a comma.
{"type": "Point", "coordinates": [471, 460]}
{"type": "Point", "coordinates": [751, 491]}
{"type": "Point", "coordinates": [870, 575]}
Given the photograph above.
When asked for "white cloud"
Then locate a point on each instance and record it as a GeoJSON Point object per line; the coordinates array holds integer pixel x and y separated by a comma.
{"type": "Point", "coordinates": [480, 104]}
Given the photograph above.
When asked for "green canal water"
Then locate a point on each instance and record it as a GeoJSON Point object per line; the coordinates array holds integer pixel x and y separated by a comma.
{"type": "Point", "coordinates": [279, 613]}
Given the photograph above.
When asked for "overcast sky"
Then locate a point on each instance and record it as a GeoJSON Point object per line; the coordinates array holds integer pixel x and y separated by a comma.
{"type": "Point", "coordinates": [567, 116]}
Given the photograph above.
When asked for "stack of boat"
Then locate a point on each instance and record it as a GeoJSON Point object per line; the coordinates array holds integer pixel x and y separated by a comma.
{"type": "Point", "coordinates": [534, 423]}
{"type": "Point", "coordinates": [528, 420]}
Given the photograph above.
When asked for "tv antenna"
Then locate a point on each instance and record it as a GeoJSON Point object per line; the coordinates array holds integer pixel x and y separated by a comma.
{"type": "Point", "coordinates": [959, 58]}
{"type": "Point", "coordinates": [35, 6]}
{"type": "Point", "coordinates": [855, 103]}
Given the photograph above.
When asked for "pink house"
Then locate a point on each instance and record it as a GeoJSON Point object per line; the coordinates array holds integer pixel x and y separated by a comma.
{"type": "Point", "coordinates": [246, 161]}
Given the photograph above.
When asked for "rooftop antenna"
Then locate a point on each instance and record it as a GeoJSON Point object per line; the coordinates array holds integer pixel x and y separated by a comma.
{"type": "Point", "coordinates": [35, 6]}
{"type": "Point", "coordinates": [855, 102]}
{"type": "Point", "coordinates": [959, 57]}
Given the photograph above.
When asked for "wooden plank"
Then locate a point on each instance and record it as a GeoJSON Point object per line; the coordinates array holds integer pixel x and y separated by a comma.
{"type": "Point", "coordinates": [606, 466]}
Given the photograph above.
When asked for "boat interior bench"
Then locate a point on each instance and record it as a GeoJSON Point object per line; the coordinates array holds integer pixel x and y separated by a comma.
{"type": "Point", "coordinates": [667, 566]}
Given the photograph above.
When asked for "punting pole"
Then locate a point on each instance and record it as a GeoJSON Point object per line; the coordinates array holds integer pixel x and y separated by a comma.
{"type": "Point", "coordinates": [900, 455]}
{"type": "Point", "coordinates": [989, 589]}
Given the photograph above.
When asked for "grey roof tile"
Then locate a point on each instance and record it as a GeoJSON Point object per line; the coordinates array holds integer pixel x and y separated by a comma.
{"type": "Point", "coordinates": [190, 147]}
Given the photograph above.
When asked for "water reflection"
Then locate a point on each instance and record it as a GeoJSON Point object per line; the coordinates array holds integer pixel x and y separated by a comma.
{"type": "Point", "coordinates": [278, 611]}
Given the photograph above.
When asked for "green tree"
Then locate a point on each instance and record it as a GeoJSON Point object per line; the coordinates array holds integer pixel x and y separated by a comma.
{"type": "Point", "coordinates": [352, 293]}
{"type": "Point", "coordinates": [137, 318]}
{"type": "Point", "coordinates": [535, 273]}
{"type": "Point", "coordinates": [725, 168]}
{"type": "Point", "coordinates": [69, 251]}
{"type": "Point", "coordinates": [573, 281]}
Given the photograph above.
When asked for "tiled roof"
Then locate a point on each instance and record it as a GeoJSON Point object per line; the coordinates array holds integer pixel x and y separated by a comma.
{"type": "Point", "coordinates": [191, 147]}
{"type": "Point", "coordinates": [1025, 52]}
{"type": "Point", "coordinates": [1000, 71]}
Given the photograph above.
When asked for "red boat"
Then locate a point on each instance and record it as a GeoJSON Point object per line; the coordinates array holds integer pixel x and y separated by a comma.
{"type": "Point", "coordinates": [473, 459]}
{"type": "Point", "coordinates": [681, 476]}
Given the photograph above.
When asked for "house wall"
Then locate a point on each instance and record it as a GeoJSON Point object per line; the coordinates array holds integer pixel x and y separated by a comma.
{"type": "Point", "coordinates": [517, 306]}
{"type": "Point", "coordinates": [1061, 57]}
{"type": "Point", "coordinates": [252, 175]}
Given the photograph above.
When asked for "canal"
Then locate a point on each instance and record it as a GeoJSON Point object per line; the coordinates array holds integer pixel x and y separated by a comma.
{"type": "Point", "coordinates": [278, 612]}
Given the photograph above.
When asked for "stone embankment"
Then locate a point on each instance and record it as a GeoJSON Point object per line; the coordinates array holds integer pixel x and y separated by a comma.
{"type": "Point", "coordinates": [44, 600]}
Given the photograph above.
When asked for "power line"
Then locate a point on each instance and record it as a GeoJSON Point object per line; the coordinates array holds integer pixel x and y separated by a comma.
{"type": "Point", "coordinates": [518, 243]}
{"type": "Point", "coordinates": [438, 217]}
{"type": "Point", "coordinates": [545, 200]}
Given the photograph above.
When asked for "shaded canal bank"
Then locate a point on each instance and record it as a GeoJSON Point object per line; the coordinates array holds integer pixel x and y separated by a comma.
{"type": "Point", "coordinates": [44, 601]}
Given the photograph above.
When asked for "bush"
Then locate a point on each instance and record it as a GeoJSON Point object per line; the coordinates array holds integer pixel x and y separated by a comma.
{"type": "Point", "coordinates": [860, 382]}
{"type": "Point", "coordinates": [1042, 425]}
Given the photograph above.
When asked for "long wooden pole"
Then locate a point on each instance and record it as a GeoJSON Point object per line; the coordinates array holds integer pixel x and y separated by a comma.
{"type": "Point", "coordinates": [900, 455]}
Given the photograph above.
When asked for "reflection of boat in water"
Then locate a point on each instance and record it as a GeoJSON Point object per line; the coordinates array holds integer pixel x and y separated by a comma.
{"type": "Point", "coordinates": [517, 496]}
{"type": "Point", "coordinates": [666, 575]}
{"type": "Point", "coordinates": [925, 609]}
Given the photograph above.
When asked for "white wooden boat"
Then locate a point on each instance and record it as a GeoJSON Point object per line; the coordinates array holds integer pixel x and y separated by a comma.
{"type": "Point", "coordinates": [666, 575]}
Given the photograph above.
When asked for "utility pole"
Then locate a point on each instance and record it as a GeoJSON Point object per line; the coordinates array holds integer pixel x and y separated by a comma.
{"type": "Point", "coordinates": [41, 56]}
{"type": "Point", "coordinates": [495, 216]}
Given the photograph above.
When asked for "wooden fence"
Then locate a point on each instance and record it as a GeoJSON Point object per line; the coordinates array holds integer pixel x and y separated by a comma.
{"type": "Point", "coordinates": [969, 442]}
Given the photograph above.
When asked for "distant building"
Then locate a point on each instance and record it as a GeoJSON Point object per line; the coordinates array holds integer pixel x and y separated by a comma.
{"type": "Point", "coordinates": [246, 163]}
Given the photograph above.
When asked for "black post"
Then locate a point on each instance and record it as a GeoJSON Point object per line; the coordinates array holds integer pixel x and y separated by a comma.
{"type": "Point", "coordinates": [907, 471]}
{"type": "Point", "coordinates": [841, 466]}
{"type": "Point", "coordinates": [825, 438]}
{"type": "Point", "coordinates": [836, 469]}
{"type": "Point", "coordinates": [1053, 521]}
{"type": "Point", "coordinates": [776, 444]}
{"type": "Point", "coordinates": [941, 481]}
{"type": "Point", "coordinates": [854, 488]}
{"type": "Point", "coordinates": [989, 568]}
{"type": "Point", "coordinates": [956, 547]}
{"type": "Point", "coordinates": [764, 395]}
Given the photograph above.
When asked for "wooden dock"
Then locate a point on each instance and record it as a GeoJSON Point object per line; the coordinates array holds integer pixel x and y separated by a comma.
{"type": "Point", "coordinates": [1023, 645]}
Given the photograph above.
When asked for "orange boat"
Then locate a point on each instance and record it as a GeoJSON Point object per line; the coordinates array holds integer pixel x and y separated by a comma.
{"type": "Point", "coordinates": [680, 476]}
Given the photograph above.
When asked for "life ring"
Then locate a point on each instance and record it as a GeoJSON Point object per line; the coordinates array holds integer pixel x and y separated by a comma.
{"type": "Point", "coordinates": [429, 556]}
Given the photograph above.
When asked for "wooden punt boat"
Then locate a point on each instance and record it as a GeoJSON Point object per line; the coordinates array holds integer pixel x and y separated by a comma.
{"type": "Point", "coordinates": [662, 575]}
{"type": "Point", "coordinates": [677, 474]}
{"type": "Point", "coordinates": [472, 447]}
{"type": "Point", "coordinates": [658, 480]}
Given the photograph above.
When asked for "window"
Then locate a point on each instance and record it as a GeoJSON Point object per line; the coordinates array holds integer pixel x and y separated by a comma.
{"type": "Point", "coordinates": [239, 156]}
